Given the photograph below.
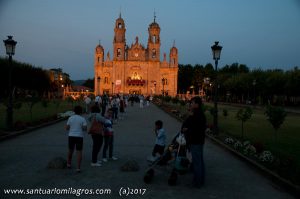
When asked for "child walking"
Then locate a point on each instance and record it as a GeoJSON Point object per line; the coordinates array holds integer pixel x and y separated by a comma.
{"type": "Point", "coordinates": [108, 136]}
{"type": "Point", "coordinates": [160, 141]}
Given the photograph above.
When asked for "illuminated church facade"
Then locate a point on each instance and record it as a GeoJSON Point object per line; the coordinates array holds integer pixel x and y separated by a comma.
{"type": "Point", "coordinates": [136, 69]}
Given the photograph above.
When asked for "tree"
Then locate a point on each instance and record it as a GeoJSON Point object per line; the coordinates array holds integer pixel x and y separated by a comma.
{"type": "Point", "coordinates": [276, 116]}
{"type": "Point", "coordinates": [89, 83]}
{"type": "Point", "coordinates": [243, 115]}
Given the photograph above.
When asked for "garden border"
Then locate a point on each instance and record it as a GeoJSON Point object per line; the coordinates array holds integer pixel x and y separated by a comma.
{"type": "Point", "coordinates": [284, 183]}
{"type": "Point", "coordinates": [12, 134]}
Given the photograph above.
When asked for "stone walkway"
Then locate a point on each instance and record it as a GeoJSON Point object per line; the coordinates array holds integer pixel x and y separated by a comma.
{"type": "Point", "coordinates": [24, 159]}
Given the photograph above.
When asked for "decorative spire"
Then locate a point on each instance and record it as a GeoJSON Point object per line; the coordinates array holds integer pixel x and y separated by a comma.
{"type": "Point", "coordinates": [174, 43]}
{"type": "Point", "coordinates": [154, 15]}
{"type": "Point", "coordinates": [99, 42]}
{"type": "Point", "coordinates": [120, 12]}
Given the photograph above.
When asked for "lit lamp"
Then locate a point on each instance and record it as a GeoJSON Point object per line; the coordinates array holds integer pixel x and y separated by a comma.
{"type": "Point", "coordinates": [10, 45]}
{"type": "Point", "coordinates": [154, 87]}
{"type": "Point", "coordinates": [216, 51]}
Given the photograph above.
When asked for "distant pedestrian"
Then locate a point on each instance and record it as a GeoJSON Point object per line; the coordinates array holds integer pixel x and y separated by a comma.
{"type": "Point", "coordinates": [122, 107]}
{"type": "Point", "coordinates": [105, 101]}
{"type": "Point", "coordinates": [194, 129]}
{"type": "Point", "coordinates": [87, 101]}
{"type": "Point", "coordinates": [160, 141]}
{"type": "Point", "coordinates": [76, 125]}
{"type": "Point", "coordinates": [141, 101]}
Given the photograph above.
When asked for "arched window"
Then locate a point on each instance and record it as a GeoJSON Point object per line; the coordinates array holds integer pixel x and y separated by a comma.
{"type": "Point", "coordinates": [118, 52]}
{"type": "Point", "coordinates": [119, 25]}
{"type": "Point", "coordinates": [98, 59]}
{"type": "Point", "coordinates": [154, 38]}
{"type": "Point", "coordinates": [106, 80]}
{"type": "Point", "coordinates": [153, 53]}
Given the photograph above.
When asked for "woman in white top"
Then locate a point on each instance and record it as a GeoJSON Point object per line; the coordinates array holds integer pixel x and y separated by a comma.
{"type": "Point", "coordinates": [76, 124]}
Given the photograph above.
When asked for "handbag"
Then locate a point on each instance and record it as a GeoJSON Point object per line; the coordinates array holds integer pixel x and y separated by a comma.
{"type": "Point", "coordinates": [96, 127]}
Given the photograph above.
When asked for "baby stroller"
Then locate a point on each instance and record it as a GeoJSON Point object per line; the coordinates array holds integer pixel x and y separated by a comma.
{"type": "Point", "coordinates": [175, 156]}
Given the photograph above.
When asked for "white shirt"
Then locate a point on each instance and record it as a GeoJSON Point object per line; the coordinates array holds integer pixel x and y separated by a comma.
{"type": "Point", "coordinates": [87, 100]}
{"type": "Point", "coordinates": [76, 123]}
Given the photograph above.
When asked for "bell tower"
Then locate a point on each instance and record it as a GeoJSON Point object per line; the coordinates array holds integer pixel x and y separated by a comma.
{"type": "Point", "coordinates": [119, 40]}
{"type": "Point", "coordinates": [173, 56]}
{"type": "Point", "coordinates": [154, 41]}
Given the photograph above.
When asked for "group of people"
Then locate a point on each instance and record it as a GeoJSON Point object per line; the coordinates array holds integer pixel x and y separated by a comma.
{"type": "Point", "coordinates": [193, 128]}
{"type": "Point", "coordinates": [101, 130]}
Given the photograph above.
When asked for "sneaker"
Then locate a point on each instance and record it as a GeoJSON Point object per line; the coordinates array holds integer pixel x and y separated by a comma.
{"type": "Point", "coordinates": [78, 171]}
{"type": "Point", "coordinates": [114, 158]}
{"type": "Point", "coordinates": [96, 164]}
{"type": "Point", "coordinates": [104, 159]}
{"type": "Point", "coordinates": [99, 161]}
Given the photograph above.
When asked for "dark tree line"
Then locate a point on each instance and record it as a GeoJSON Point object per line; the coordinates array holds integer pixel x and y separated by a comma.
{"type": "Point", "coordinates": [239, 84]}
{"type": "Point", "coordinates": [25, 77]}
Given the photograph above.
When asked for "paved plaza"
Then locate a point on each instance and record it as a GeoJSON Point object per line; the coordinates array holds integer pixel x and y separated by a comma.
{"type": "Point", "coordinates": [24, 159]}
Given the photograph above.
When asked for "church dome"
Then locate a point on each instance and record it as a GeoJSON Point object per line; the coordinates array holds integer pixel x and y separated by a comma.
{"type": "Point", "coordinates": [99, 48]}
{"type": "Point", "coordinates": [120, 22]}
{"type": "Point", "coordinates": [173, 51]}
{"type": "Point", "coordinates": [154, 25]}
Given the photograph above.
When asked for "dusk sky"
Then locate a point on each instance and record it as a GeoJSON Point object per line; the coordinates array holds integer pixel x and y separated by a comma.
{"type": "Point", "coordinates": [64, 33]}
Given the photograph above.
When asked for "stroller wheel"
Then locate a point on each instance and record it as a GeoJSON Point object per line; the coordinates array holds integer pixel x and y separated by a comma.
{"type": "Point", "coordinates": [149, 176]}
{"type": "Point", "coordinates": [173, 178]}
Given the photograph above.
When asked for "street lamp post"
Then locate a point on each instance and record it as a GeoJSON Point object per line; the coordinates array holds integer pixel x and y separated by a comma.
{"type": "Point", "coordinates": [98, 81]}
{"type": "Point", "coordinates": [154, 87]}
{"type": "Point", "coordinates": [163, 83]}
{"type": "Point", "coordinates": [10, 45]}
{"type": "Point", "coordinates": [112, 88]}
{"type": "Point", "coordinates": [216, 51]}
{"type": "Point", "coordinates": [254, 83]}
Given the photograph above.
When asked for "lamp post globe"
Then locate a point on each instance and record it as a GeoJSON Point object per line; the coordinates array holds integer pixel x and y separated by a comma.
{"type": "Point", "coordinates": [216, 52]}
{"type": "Point", "coordinates": [10, 46]}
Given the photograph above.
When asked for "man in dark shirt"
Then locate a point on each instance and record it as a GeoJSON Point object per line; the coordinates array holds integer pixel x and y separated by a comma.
{"type": "Point", "coordinates": [194, 129]}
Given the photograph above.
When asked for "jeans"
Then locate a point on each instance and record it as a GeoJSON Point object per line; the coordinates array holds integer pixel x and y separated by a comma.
{"type": "Point", "coordinates": [108, 144]}
{"type": "Point", "coordinates": [97, 144]}
{"type": "Point", "coordinates": [198, 164]}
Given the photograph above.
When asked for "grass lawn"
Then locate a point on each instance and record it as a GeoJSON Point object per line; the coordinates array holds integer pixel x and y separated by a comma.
{"type": "Point", "coordinates": [39, 112]}
{"type": "Point", "coordinates": [258, 130]}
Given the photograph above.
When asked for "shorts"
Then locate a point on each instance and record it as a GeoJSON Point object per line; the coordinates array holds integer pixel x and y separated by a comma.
{"type": "Point", "coordinates": [75, 141]}
{"type": "Point", "coordinates": [158, 149]}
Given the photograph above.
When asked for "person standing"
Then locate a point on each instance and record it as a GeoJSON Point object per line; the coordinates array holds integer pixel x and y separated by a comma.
{"type": "Point", "coordinates": [108, 137]}
{"type": "Point", "coordinates": [194, 129]}
{"type": "Point", "coordinates": [97, 137]}
{"type": "Point", "coordinates": [76, 125]}
{"type": "Point", "coordinates": [160, 141]}
{"type": "Point", "coordinates": [87, 101]}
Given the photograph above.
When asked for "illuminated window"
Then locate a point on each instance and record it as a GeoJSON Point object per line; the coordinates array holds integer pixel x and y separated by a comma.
{"type": "Point", "coordinates": [153, 53]}
{"type": "Point", "coordinates": [154, 38]}
{"type": "Point", "coordinates": [118, 52]}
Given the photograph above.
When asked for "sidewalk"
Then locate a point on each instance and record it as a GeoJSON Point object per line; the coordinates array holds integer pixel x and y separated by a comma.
{"type": "Point", "coordinates": [24, 160]}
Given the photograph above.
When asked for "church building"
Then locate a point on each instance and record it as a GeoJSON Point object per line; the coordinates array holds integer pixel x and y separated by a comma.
{"type": "Point", "coordinates": [136, 69]}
